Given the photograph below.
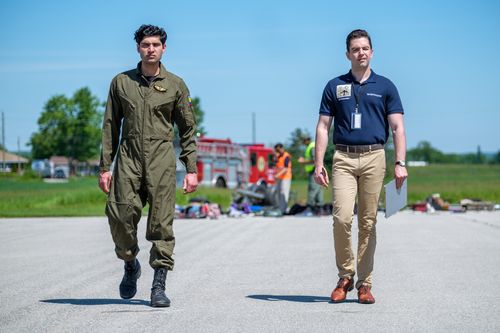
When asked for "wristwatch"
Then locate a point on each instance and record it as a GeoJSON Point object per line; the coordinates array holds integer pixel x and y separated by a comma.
{"type": "Point", "coordinates": [401, 163]}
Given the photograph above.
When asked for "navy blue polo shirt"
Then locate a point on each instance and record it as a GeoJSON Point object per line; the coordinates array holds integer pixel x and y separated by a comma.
{"type": "Point", "coordinates": [377, 97]}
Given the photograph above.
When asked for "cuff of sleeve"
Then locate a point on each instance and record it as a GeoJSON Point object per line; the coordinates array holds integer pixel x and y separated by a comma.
{"type": "Point", "coordinates": [396, 111]}
{"type": "Point", "coordinates": [191, 168]}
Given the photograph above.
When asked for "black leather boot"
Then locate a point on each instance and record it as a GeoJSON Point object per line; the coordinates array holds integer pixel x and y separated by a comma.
{"type": "Point", "coordinates": [128, 286]}
{"type": "Point", "coordinates": [158, 297]}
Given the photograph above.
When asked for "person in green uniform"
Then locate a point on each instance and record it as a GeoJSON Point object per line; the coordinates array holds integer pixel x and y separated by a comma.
{"type": "Point", "coordinates": [137, 134]}
{"type": "Point", "coordinates": [314, 190]}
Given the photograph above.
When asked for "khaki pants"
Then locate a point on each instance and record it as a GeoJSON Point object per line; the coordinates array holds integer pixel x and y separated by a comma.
{"type": "Point", "coordinates": [360, 174]}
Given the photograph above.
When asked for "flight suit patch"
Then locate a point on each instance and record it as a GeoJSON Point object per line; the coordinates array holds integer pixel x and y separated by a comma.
{"type": "Point", "coordinates": [160, 88]}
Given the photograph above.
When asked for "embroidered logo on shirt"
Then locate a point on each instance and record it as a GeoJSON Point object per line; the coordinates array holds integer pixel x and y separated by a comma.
{"type": "Point", "coordinates": [159, 88]}
{"type": "Point", "coordinates": [343, 90]}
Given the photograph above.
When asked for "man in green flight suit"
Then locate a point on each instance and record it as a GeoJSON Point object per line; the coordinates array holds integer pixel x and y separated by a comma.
{"type": "Point", "coordinates": [314, 191]}
{"type": "Point", "coordinates": [142, 106]}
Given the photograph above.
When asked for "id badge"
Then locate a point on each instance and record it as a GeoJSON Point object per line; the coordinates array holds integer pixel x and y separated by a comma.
{"type": "Point", "coordinates": [355, 121]}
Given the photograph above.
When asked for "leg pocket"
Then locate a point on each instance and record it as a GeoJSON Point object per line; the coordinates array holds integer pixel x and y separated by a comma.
{"type": "Point", "coordinates": [123, 228]}
{"type": "Point", "coordinates": [120, 212]}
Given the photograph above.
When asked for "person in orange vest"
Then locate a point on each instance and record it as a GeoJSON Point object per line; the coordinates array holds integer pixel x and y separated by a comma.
{"type": "Point", "coordinates": [283, 177]}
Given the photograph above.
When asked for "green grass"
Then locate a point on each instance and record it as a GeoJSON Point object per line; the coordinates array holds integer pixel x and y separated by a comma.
{"type": "Point", "coordinates": [453, 182]}
{"type": "Point", "coordinates": [32, 197]}
{"type": "Point", "coordinates": [218, 195]}
{"type": "Point", "coordinates": [23, 197]}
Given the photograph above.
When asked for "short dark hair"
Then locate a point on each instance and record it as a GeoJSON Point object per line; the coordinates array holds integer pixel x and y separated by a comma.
{"type": "Point", "coordinates": [147, 30]}
{"type": "Point", "coordinates": [278, 145]}
{"type": "Point", "coordinates": [358, 33]}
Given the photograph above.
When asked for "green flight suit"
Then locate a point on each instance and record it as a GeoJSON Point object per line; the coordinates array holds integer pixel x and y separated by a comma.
{"type": "Point", "coordinates": [138, 130]}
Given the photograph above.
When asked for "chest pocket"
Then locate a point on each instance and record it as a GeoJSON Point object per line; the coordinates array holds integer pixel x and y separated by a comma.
{"type": "Point", "coordinates": [128, 107]}
{"type": "Point", "coordinates": [164, 110]}
{"type": "Point", "coordinates": [375, 101]}
{"type": "Point", "coordinates": [130, 119]}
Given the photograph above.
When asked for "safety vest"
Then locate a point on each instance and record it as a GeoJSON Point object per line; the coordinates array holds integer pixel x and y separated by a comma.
{"type": "Point", "coordinates": [308, 156]}
{"type": "Point", "coordinates": [280, 164]}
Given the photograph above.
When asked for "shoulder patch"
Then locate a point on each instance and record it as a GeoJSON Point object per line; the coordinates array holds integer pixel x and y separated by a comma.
{"type": "Point", "coordinates": [343, 90]}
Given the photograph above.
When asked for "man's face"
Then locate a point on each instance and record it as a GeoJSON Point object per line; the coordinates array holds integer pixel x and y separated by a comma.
{"type": "Point", "coordinates": [360, 53]}
{"type": "Point", "coordinates": [151, 49]}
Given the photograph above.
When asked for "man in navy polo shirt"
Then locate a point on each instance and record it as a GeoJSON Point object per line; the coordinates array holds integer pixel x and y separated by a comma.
{"type": "Point", "coordinates": [364, 106]}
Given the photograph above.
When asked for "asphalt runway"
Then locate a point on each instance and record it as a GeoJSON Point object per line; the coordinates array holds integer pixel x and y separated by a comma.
{"type": "Point", "coordinates": [433, 273]}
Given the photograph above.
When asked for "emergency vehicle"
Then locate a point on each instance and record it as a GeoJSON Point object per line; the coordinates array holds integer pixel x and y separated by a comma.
{"type": "Point", "coordinates": [222, 163]}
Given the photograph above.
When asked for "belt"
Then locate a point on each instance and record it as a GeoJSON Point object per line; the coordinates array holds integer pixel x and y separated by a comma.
{"type": "Point", "coordinates": [359, 149]}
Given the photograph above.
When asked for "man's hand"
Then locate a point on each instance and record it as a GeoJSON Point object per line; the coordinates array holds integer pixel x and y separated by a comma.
{"type": "Point", "coordinates": [280, 172]}
{"type": "Point", "coordinates": [105, 181]}
{"type": "Point", "coordinates": [190, 183]}
{"type": "Point", "coordinates": [400, 174]}
{"type": "Point", "coordinates": [321, 176]}
{"type": "Point", "coordinates": [301, 160]}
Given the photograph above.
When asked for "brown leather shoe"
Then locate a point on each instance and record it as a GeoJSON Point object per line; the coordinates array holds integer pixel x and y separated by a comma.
{"type": "Point", "coordinates": [340, 292]}
{"type": "Point", "coordinates": [365, 296]}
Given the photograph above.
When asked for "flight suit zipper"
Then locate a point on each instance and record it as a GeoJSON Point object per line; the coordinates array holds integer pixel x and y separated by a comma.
{"type": "Point", "coordinates": [143, 155]}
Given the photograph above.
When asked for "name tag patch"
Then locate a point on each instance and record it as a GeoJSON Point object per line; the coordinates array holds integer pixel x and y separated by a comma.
{"type": "Point", "coordinates": [343, 90]}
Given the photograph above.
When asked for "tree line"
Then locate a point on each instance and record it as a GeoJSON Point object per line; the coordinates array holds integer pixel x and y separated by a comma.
{"type": "Point", "coordinates": [425, 152]}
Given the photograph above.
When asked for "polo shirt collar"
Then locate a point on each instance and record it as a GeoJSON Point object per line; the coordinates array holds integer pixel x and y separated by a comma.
{"type": "Point", "coordinates": [371, 78]}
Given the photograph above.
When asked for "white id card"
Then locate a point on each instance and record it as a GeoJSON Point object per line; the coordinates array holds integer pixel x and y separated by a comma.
{"type": "Point", "coordinates": [355, 120]}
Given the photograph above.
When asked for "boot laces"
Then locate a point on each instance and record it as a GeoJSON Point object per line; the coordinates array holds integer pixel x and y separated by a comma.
{"type": "Point", "coordinates": [159, 281]}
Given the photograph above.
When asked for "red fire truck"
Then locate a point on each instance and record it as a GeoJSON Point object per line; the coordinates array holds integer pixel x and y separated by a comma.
{"type": "Point", "coordinates": [222, 163]}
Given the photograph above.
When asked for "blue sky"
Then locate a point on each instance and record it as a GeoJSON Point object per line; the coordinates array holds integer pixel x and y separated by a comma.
{"type": "Point", "coordinates": [272, 58]}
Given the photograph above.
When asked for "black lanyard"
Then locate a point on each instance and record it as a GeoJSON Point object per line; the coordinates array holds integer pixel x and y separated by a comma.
{"type": "Point", "coordinates": [356, 96]}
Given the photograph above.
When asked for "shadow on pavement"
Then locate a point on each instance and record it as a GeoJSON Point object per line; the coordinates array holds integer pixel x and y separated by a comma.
{"type": "Point", "coordinates": [291, 298]}
{"type": "Point", "coordinates": [95, 301]}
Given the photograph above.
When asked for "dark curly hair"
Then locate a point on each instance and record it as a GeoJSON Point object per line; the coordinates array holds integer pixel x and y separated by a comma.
{"type": "Point", "coordinates": [147, 30]}
{"type": "Point", "coordinates": [358, 33]}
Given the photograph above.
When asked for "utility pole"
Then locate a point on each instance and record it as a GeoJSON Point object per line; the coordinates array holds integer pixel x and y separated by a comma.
{"type": "Point", "coordinates": [253, 128]}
